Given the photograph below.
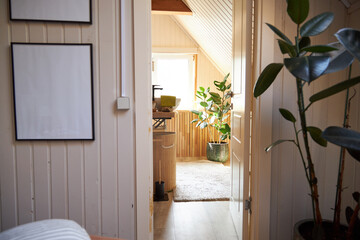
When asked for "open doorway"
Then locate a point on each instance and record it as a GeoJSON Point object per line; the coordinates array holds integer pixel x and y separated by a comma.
{"type": "Point", "coordinates": [176, 52]}
{"type": "Point", "coordinates": [261, 118]}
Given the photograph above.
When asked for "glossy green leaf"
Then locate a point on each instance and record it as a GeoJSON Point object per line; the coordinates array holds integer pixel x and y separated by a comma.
{"type": "Point", "coordinates": [287, 115]}
{"type": "Point", "coordinates": [307, 68]}
{"type": "Point", "coordinates": [195, 112]}
{"type": "Point", "coordinates": [195, 120]}
{"type": "Point", "coordinates": [298, 10]}
{"type": "Point", "coordinates": [334, 89]}
{"type": "Point", "coordinates": [214, 95]}
{"type": "Point", "coordinates": [317, 24]}
{"type": "Point", "coordinates": [304, 42]}
{"type": "Point", "coordinates": [226, 77]}
{"type": "Point", "coordinates": [202, 89]}
{"type": "Point", "coordinates": [279, 33]}
{"type": "Point", "coordinates": [266, 78]}
{"type": "Point", "coordinates": [267, 149]}
{"type": "Point", "coordinates": [339, 59]}
{"type": "Point", "coordinates": [350, 38]}
{"type": "Point", "coordinates": [343, 137]}
{"type": "Point", "coordinates": [203, 125]}
{"type": "Point", "coordinates": [203, 104]}
{"type": "Point", "coordinates": [315, 134]}
{"type": "Point", "coordinates": [287, 48]}
{"type": "Point", "coordinates": [319, 49]}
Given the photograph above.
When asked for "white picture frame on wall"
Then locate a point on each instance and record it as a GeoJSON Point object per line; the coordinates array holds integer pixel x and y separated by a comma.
{"type": "Point", "coordinates": [76, 11]}
{"type": "Point", "coordinates": [53, 91]}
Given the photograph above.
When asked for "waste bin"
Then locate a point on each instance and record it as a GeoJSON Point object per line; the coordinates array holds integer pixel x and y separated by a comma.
{"type": "Point", "coordinates": [164, 159]}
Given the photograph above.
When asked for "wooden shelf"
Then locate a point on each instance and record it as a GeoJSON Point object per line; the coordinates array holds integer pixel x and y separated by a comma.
{"type": "Point", "coordinates": [163, 115]}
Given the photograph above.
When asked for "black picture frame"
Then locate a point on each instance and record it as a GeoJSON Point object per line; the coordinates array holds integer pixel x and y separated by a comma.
{"type": "Point", "coordinates": [53, 91]}
{"type": "Point", "coordinates": [68, 11]}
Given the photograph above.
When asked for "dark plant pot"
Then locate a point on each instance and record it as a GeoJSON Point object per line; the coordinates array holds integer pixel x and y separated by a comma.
{"type": "Point", "coordinates": [218, 152]}
{"type": "Point", "coordinates": [304, 228]}
{"type": "Point", "coordinates": [159, 190]}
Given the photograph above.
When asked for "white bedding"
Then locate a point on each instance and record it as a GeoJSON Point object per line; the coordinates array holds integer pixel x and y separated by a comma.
{"type": "Point", "coordinates": [54, 229]}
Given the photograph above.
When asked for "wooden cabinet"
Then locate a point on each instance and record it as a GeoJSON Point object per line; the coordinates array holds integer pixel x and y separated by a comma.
{"type": "Point", "coordinates": [164, 157]}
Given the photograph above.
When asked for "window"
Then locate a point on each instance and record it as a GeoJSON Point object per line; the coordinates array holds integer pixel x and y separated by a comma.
{"type": "Point", "coordinates": [175, 74]}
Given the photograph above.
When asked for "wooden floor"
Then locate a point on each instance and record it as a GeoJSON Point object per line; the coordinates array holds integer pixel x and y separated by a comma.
{"type": "Point", "coordinates": [193, 221]}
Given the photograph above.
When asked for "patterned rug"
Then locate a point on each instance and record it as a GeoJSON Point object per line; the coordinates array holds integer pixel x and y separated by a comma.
{"type": "Point", "coordinates": [202, 180]}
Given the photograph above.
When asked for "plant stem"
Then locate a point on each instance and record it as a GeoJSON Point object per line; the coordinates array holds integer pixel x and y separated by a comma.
{"type": "Point", "coordinates": [301, 153]}
{"type": "Point", "coordinates": [311, 171]}
{"type": "Point", "coordinates": [311, 177]}
{"type": "Point", "coordinates": [341, 164]}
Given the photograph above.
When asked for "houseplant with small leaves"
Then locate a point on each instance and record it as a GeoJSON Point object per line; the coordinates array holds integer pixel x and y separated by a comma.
{"type": "Point", "coordinates": [213, 117]}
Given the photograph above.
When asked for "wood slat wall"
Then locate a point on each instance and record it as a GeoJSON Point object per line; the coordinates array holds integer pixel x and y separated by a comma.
{"type": "Point", "coordinates": [91, 182]}
{"type": "Point", "coordinates": [290, 201]}
{"type": "Point", "coordinates": [211, 27]}
{"type": "Point", "coordinates": [190, 140]}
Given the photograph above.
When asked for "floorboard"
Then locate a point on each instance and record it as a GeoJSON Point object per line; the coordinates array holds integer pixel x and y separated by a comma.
{"type": "Point", "coordinates": [193, 221]}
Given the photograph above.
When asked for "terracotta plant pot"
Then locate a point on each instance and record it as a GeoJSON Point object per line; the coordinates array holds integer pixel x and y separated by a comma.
{"type": "Point", "coordinates": [303, 230]}
{"type": "Point", "coordinates": [218, 152]}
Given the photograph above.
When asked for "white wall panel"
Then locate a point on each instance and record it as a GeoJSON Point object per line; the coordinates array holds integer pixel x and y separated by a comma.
{"type": "Point", "coordinates": [91, 182]}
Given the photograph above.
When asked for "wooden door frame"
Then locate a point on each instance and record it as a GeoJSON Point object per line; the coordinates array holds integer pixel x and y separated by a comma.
{"type": "Point", "coordinates": [143, 115]}
{"type": "Point", "coordinates": [262, 121]}
{"type": "Point", "coordinates": [264, 43]}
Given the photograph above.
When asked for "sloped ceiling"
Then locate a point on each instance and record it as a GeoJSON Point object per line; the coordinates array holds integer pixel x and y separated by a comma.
{"type": "Point", "coordinates": [211, 27]}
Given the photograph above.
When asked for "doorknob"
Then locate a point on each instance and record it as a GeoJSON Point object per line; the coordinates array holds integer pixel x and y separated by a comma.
{"type": "Point", "coordinates": [231, 94]}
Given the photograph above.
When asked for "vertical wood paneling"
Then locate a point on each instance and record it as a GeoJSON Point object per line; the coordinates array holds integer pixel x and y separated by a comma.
{"type": "Point", "coordinates": [83, 181]}
{"type": "Point", "coordinates": [211, 27]}
{"type": "Point", "coordinates": [190, 140]}
{"type": "Point", "coordinates": [7, 159]}
{"type": "Point", "coordinates": [37, 33]}
{"type": "Point", "coordinates": [352, 167]}
{"type": "Point", "coordinates": [92, 150]}
{"type": "Point", "coordinates": [24, 156]}
{"type": "Point", "coordinates": [24, 183]}
{"type": "Point", "coordinates": [75, 159]}
{"type": "Point", "coordinates": [59, 181]}
{"type": "Point", "coordinates": [108, 130]}
{"type": "Point", "coordinates": [290, 200]}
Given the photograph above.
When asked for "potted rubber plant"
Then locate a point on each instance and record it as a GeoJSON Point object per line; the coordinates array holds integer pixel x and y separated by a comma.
{"type": "Point", "coordinates": [307, 62]}
{"type": "Point", "coordinates": [215, 112]}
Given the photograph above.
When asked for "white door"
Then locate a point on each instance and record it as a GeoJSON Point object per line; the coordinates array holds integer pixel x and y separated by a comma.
{"type": "Point", "coordinates": [240, 116]}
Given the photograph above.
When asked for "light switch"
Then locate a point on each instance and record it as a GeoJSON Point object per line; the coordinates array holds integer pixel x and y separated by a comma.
{"type": "Point", "coordinates": [123, 103]}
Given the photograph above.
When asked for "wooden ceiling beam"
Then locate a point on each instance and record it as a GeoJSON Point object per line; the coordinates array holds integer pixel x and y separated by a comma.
{"type": "Point", "coordinates": [170, 7]}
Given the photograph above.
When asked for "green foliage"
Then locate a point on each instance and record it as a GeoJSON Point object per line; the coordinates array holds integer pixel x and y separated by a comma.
{"type": "Point", "coordinates": [267, 149]}
{"type": "Point", "coordinates": [350, 38]}
{"type": "Point", "coordinates": [339, 59]}
{"type": "Point", "coordinates": [266, 78]}
{"type": "Point", "coordinates": [318, 49]}
{"type": "Point", "coordinates": [315, 134]}
{"type": "Point", "coordinates": [307, 68]}
{"type": "Point", "coordinates": [334, 89]}
{"type": "Point", "coordinates": [344, 137]}
{"type": "Point", "coordinates": [298, 10]}
{"type": "Point", "coordinates": [216, 109]}
{"type": "Point", "coordinates": [307, 63]}
{"type": "Point", "coordinates": [279, 33]}
{"type": "Point", "coordinates": [287, 115]}
{"type": "Point", "coordinates": [317, 24]}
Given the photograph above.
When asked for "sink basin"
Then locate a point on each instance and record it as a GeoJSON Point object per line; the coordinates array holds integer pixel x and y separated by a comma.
{"type": "Point", "coordinates": [158, 104]}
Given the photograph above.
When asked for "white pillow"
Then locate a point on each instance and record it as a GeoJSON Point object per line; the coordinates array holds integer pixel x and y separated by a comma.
{"type": "Point", "coordinates": [54, 229]}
